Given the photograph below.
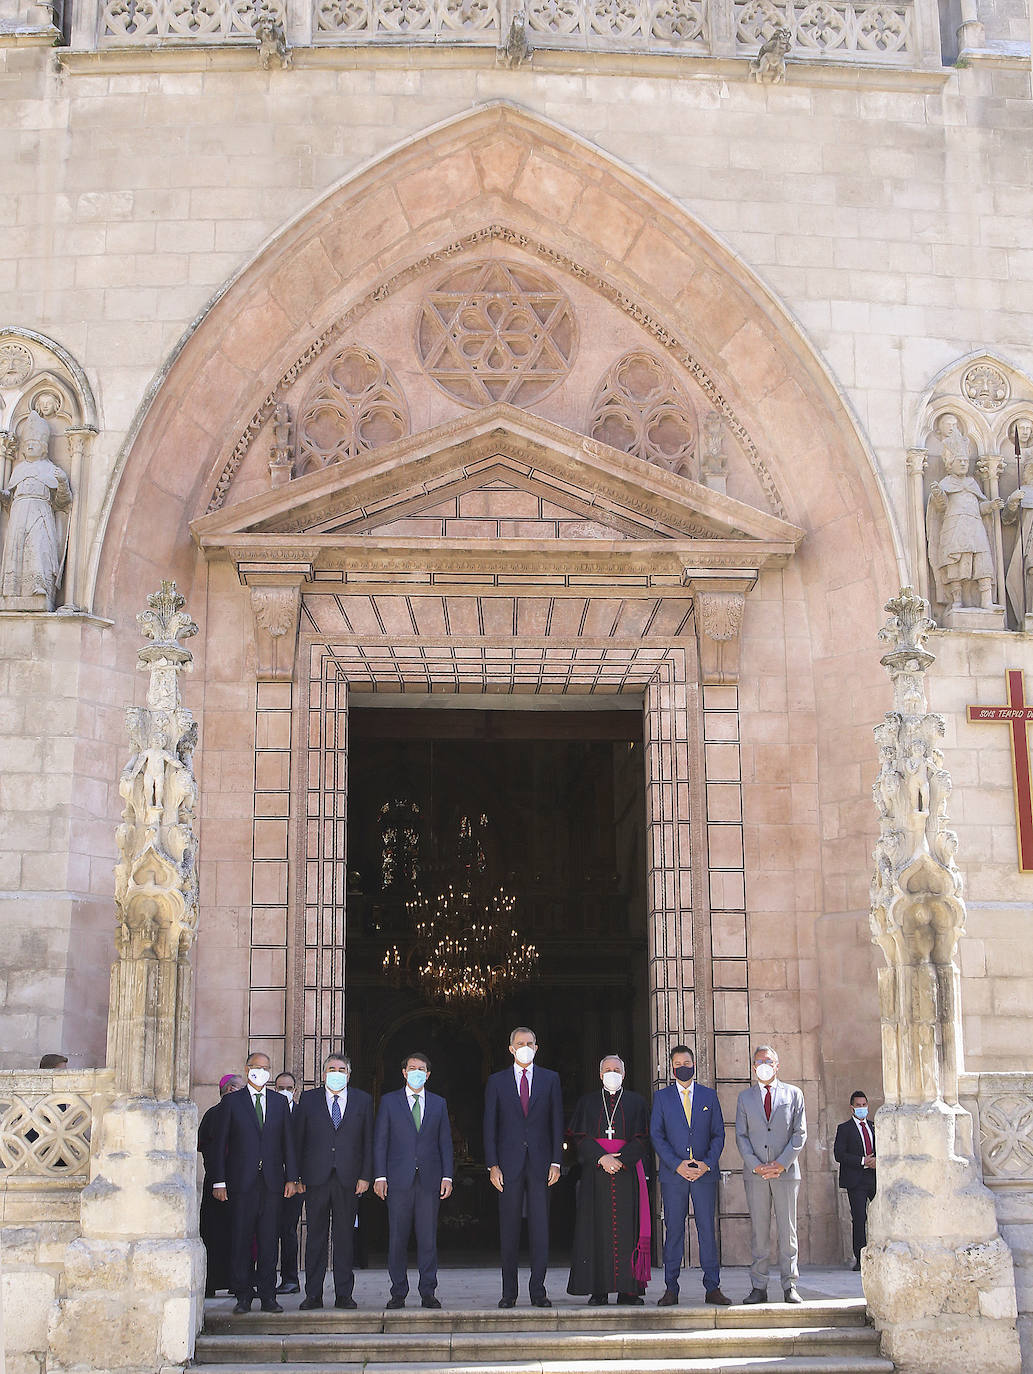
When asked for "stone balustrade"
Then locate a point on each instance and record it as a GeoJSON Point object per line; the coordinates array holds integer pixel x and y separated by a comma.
{"type": "Point", "coordinates": [1001, 1105]}
{"type": "Point", "coordinates": [900, 33]}
{"type": "Point", "coordinates": [46, 1125]}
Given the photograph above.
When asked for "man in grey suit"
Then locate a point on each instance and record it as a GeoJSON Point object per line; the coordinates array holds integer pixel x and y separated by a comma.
{"type": "Point", "coordinates": [770, 1129]}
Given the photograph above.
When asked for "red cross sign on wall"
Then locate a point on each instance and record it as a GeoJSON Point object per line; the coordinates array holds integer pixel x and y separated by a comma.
{"type": "Point", "coordinates": [1017, 715]}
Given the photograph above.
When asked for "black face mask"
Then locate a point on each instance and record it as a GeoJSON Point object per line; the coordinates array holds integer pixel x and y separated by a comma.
{"type": "Point", "coordinates": [684, 1073]}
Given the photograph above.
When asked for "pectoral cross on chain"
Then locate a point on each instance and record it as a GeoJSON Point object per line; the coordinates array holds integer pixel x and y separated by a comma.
{"type": "Point", "coordinates": [609, 1133]}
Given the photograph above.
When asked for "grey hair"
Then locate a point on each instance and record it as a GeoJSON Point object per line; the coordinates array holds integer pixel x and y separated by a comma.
{"type": "Point", "coordinates": [619, 1060]}
{"type": "Point", "coordinates": [764, 1049]}
{"type": "Point", "coordinates": [337, 1059]}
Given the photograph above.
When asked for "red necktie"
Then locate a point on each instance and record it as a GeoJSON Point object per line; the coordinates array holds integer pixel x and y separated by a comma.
{"type": "Point", "coordinates": [867, 1139]}
{"type": "Point", "coordinates": [767, 1103]}
{"type": "Point", "coordinates": [525, 1092]}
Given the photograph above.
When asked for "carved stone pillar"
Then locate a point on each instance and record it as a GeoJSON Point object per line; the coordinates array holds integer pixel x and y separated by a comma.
{"type": "Point", "coordinates": [79, 444]}
{"type": "Point", "coordinates": [918, 556]}
{"type": "Point", "coordinates": [135, 1278]}
{"type": "Point", "coordinates": [971, 32]}
{"type": "Point", "coordinates": [937, 1275]}
{"type": "Point", "coordinates": [989, 467]}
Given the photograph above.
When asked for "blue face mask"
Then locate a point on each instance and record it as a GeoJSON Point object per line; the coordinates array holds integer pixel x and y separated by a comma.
{"type": "Point", "coordinates": [416, 1079]}
{"type": "Point", "coordinates": [860, 1113]}
{"type": "Point", "coordinates": [337, 1080]}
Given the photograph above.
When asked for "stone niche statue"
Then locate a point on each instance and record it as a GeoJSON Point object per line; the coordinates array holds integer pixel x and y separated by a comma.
{"type": "Point", "coordinates": [1018, 511]}
{"type": "Point", "coordinates": [36, 494]}
{"type": "Point", "coordinates": [959, 544]}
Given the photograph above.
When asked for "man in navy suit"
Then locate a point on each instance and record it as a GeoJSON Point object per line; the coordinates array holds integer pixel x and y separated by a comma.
{"type": "Point", "coordinates": [688, 1134]}
{"type": "Point", "coordinates": [253, 1136]}
{"type": "Point", "coordinates": [333, 1130]}
{"type": "Point", "coordinates": [523, 1137]}
{"type": "Point", "coordinates": [412, 1162]}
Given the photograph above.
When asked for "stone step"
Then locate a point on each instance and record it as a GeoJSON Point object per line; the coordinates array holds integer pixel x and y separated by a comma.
{"type": "Point", "coordinates": [585, 1350]}
{"type": "Point", "coordinates": [788, 1364]}
{"type": "Point", "coordinates": [826, 1313]}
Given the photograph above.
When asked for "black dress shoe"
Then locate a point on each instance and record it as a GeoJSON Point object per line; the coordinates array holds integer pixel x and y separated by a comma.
{"type": "Point", "coordinates": [543, 1301]}
{"type": "Point", "coordinates": [715, 1295]}
{"type": "Point", "coordinates": [669, 1299]}
{"type": "Point", "coordinates": [791, 1295]}
{"type": "Point", "coordinates": [346, 1303]}
{"type": "Point", "coordinates": [430, 1301]}
{"type": "Point", "coordinates": [393, 1304]}
{"type": "Point", "coordinates": [289, 1286]}
{"type": "Point", "coordinates": [507, 1302]}
{"type": "Point", "coordinates": [630, 1300]}
{"type": "Point", "coordinates": [271, 1305]}
{"type": "Point", "coordinates": [599, 1300]}
{"type": "Point", "coordinates": [856, 1266]}
{"type": "Point", "coordinates": [755, 1295]}
{"type": "Point", "coordinates": [309, 1304]}
{"type": "Point", "coordinates": [243, 1305]}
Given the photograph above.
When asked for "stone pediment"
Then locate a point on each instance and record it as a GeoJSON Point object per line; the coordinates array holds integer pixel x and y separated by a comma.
{"type": "Point", "coordinates": [497, 485]}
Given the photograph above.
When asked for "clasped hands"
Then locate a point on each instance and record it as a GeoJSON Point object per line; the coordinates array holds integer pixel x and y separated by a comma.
{"type": "Point", "coordinates": [773, 1170]}
{"type": "Point", "coordinates": [692, 1169]}
{"type": "Point", "coordinates": [496, 1181]}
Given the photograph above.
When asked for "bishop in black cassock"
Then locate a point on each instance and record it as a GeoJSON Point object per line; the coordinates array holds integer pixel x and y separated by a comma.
{"type": "Point", "coordinates": [611, 1230]}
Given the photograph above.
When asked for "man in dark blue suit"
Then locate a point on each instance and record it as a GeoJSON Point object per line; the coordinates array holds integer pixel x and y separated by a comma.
{"type": "Point", "coordinates": [688, 1134]}
{"type": "Point", "coordinates": [333, 1130]}
{"type": "Point", "coordinates": [412, 1163]}
{"type": "Point", "coordinates": [523, 1137]}
{"type": "Point", "coordinates": [253, 1136]}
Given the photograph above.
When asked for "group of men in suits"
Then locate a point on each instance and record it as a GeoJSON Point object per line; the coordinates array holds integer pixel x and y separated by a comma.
{"type": "Point", "coordinates": [327, 1150]}
{"type": "Point", "coordinates": [688, 1133]}
{"type": "Point", "coordinates": [269, 1153]}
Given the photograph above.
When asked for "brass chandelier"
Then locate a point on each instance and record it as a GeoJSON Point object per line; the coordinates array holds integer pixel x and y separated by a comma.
{"type": "Point", "coordinates": [463, 946]}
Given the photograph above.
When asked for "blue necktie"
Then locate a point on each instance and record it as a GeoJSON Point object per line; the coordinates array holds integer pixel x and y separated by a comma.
{"type": "Point", "coordinates": [335, 1113]}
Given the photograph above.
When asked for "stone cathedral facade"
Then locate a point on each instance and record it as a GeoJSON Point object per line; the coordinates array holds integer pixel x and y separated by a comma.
{"type": "Point", "coordinates": [578, 353]}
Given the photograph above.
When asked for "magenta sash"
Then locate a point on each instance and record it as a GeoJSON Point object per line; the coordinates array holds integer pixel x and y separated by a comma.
{"type": "Point", "coordinates": [640, 1261]}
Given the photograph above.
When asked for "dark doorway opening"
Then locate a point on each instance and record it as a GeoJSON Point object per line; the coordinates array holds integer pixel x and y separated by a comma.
{"type": "Point", "coordinates": [554, 800]}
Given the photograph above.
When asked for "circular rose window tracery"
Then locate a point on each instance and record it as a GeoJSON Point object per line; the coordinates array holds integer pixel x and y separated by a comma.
{"type": "Point", "coordinates": [496, 331]}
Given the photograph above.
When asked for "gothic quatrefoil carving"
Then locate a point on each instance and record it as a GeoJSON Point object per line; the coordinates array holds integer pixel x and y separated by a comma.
{"type": "Point", "coordinates": [640, 408]}
{"type": "Point", "coordinates": [496, 331]}
{"type": "Point", "coordinates": [354, 405]}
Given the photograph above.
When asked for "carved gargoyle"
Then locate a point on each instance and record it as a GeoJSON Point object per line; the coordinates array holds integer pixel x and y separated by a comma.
{"type": "Point", "coordinates": [517, 48]}
{"type": "Point", "coordinates": [769, 66]}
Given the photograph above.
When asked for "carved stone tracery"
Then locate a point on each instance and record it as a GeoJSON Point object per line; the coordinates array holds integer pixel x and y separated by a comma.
{"type": "Point", "coordinates": [629, 305]}
{"type": "Point", "coordinates": [639, 408]}
{"type": "Point", "coordinates": [496, 331]}
{"type": "Point", "coordinates": [353, 406]}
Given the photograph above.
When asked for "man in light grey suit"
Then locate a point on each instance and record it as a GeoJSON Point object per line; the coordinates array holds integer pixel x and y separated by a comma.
{"type": "Point", "coordinates": [770, 1129]}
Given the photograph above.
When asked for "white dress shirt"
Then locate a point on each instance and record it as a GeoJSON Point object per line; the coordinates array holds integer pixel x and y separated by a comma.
{"type": "Point", "coordinates": [342, 1098]}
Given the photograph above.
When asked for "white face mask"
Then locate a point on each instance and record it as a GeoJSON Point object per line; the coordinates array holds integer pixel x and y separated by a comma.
{"type": "Point", "coordinates": [612, 1080]}
{"type": "Point", "coordinates": [288, 1093]}
{"type": "Point", "coordinates": [524, 1055]}
{"type": "Point", "coordinates": [765, 1072]}
{"type": "Point", "coordinates": [258, 1078]}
